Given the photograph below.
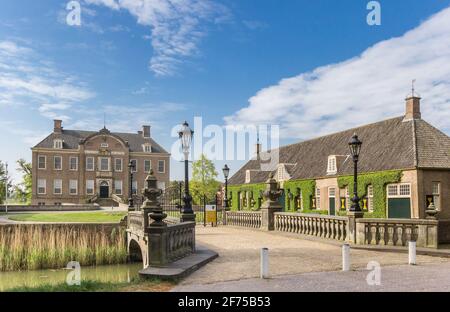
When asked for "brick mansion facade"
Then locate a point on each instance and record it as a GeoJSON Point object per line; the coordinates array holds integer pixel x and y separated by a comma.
{"type": "Point", "coordinates": [78, 167]}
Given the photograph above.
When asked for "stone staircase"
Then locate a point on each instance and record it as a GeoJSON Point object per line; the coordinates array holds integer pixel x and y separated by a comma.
{"type": "Point", "coordinates": [107, 202]}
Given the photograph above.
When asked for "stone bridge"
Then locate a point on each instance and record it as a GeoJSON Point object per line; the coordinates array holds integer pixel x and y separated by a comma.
{"type": "Point", "coordinates": [151, 239]}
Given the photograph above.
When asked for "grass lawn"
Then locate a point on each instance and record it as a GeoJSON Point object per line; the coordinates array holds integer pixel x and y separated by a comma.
{"type": "Point", "coordinates": [86, 217]}
{"type": "Point", "coordinates": [93, 286]}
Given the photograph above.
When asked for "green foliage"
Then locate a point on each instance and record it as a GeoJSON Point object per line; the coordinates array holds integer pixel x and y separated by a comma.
{"type": "Point", "coordinates": [307, 188]}
{"type": "Point", "coordinates": [83, 217]}
{"type": "Point", "coordinates": [253, 189]}
{"type": "Point", "coordinates": [203, 181]}
{"type": "Point", "coordinates": [378, 180]}
{"type": "Point", "coordinates": [34, 247]}
{"type": "Point", "coordinates": [24, 189]}
{"type": "Point", "coordinates": [2, 182]}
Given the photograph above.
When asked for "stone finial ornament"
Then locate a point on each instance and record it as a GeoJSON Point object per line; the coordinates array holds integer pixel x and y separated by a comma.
{"type": "Point", "coordinates": [431, 212]}
{"type": "Point", "coordinates": [272, 193]}
{"type": "Point", "coordinates": [151, 192]}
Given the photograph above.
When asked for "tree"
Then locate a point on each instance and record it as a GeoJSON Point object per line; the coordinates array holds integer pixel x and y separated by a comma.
{"type": "Point", "coordinates": [203, 181]}
{"type": "Point", "coordinates": [4, 179]}
{"type": "Point", "coordinates": [24, 189]}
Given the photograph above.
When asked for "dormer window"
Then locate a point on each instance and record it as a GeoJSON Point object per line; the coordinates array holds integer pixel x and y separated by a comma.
{"type": "Point", "coordinates": [247, 176]}
{"type": "Point", "coordinates": [332, 168]}
{"type": "Point", "coordinates": [58, 144]}
{"type": "Point", "coordinates": [147, 148]}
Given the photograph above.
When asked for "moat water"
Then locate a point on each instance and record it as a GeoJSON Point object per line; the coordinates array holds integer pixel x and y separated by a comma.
{"type": "Point", "coordinates": [122, 273]}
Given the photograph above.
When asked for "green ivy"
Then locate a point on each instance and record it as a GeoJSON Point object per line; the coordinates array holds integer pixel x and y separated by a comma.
{"type": "Point", "coordinates": [378, 180]}
{"type": "Point", "coordinates": [308, 189]}
{"type": "Point", "coordinates": [254, 189]}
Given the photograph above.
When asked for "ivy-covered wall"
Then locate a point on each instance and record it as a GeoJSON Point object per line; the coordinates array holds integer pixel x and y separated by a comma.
{"type": "Point", "coordinates": [254, 189]}
{"type": "Point", "coordinates": [378, 180]}
{"type": "Point", "coordinates": [307, 188]}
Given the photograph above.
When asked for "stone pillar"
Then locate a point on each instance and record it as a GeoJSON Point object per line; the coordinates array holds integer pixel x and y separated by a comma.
{"type": "Point", "coordinates": [154, 224]}
{"type": "Point", "coordinates": [270, 205]}
{"type": "Point", "coordinates": [352, 230]}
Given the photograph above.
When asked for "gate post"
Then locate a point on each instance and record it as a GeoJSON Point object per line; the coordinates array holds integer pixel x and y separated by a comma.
{"type": "Point", "coordinates": [271, 205]}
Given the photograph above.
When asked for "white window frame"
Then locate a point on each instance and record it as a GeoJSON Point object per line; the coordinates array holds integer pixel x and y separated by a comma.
{"type": "Point", "coordinates": [134, 188]}
{"type": "Point", "coordinates": [398, 190]}
{"type": "Point", "coordinates": [332, 165]}
{"type": "Point", "coordinates": [45, 162]}
{"type": "Point", "coordinates": [115, 164]}
{"type": "Point", "coordinates": [147, 148]}
{"type": "Point", "coordinates": [437, 203]}
{"type": "Point", "coordinates": [58, 144]}
{"type": "Point", "coordinates": [280, 173]}
{"type": "Point", "coordinates": [55, 186]}
{"type": "Point", "coordinates": [164, 166]}
{"type": "Point", "coordinates": [116, 183]}
{"type": "Point", "coordinates": [39, 186]}
{"type": "Point", "coordinates": [370, 201]}
{"type": "Point", "coordinates": [150, 167]}
{"type": "Point", "coordinates": [247, 176]}
{"type": "Point", "coordinates": [100, 164]}
{"type": "Point", "coordinates": [70, 187]}
{"type": "Point", "coordinates": [93, 164]}
{"type": "Point", "coordinates": [76, 163]}
{"type": "Point", "coordinates": [87, 187]}
{"type": "Point", "coordinates": [135, 166]}
{"type": "Point", "coordinates": [318, 206]}
{"type": "Point", "coordinates": [54, 162]}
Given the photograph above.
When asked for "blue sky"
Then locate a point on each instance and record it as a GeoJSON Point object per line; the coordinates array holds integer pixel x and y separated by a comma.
{"type": "Point", "coordinates": [302, 64]}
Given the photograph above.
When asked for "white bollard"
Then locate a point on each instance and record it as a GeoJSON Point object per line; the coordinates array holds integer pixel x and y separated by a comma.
{"type": "Point", "coordinates": [346, 257]}
{"type": "Point", "coordinates": [412, 253]}
{"type": "Point", "coordinates": [264, 263]}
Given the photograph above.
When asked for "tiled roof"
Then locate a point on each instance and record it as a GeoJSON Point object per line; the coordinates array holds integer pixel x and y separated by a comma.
{"type": "Point", "coordinates": [392, 144]}
{"type": "Point", "coordinates": [72, 139]}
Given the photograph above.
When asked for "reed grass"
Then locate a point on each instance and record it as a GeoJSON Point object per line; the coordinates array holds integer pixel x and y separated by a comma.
{"type": "Point", "coordinates": [51, 246]}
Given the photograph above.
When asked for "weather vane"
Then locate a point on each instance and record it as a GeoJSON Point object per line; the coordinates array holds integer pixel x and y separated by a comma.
{"type": "Point", "coordinates": [412, 86]}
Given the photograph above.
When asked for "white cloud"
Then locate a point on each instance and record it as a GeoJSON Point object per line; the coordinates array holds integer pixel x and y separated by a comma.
{"type": "Point", "coordinates": [27, 79]}
{"type": "Point", "coordinates": [364, 89]}
{"type": "Point", "coordinates": [177, 27]}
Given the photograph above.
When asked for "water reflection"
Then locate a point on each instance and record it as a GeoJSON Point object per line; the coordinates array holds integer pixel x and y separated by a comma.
{"type": "Point", "coordinates": [106, 273]}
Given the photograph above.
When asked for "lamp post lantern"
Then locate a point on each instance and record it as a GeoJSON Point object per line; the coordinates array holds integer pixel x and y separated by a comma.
{"type": "Point", "coordinates": [226, 172]}
{"type": "Point", "coordinates": [130, 197]}
{"type": "Point", "coordinates": [186, 134]}
{"type": "Point", "coordinates": [355, 149]}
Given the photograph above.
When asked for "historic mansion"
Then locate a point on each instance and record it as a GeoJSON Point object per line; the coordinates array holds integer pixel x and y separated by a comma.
{"type": "Point", "coordinates": [78, 167]}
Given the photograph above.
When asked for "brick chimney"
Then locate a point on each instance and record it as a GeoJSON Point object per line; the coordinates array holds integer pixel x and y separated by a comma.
{"type": "Point", "coordinates": [413, 108]}
{"type": "Point", "coordinates": [146, 132]}
{"type": "Point", "coordinates": [57, 126]}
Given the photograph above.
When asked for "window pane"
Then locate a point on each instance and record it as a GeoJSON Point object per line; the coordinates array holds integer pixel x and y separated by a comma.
{"type": "Point", "coordinates": [134, 163]}
{"type": "Point", "coordinates": [73, 163]}
{"type": "Point", "coordinates": [73, 185]}
{"type": "Point", "coordinates": [118, 187]}
{"type": "Point", "coordinates": [90, 163]}
{"type": "Point", "coordinates": [57, 163]}
{"type": "Point", "coordinates": [147, 165]}
{"type": "Point", "coordinates": [41, 162]}
{"type": "Point", "coordinates": [161, 165]}
{"type": "Point", "coordinates": [104, 164]}
{"type": "Point", "coordinates": [118, 164]}
{"type": "Point", "coordinates": [436, 188]}
{"type": "Point", "coordinates": [90, 187]}
{"type": "Point", "coordinates": [57, 188]}
{"type": "Point", "coordinates": [405, 190]}
{"type": "Point", "coordinates": [392, 190]}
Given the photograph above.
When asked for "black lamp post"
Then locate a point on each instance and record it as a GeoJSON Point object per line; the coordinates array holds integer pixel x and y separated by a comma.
{"type": "Point", "coordinates": [355, 149]}
{"type": "Point", "coordinates": [226, 172]}
{"type": "Point", "coordinates": [186, 134]}
{"type": "Point", "coordinates": [130, 197]}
